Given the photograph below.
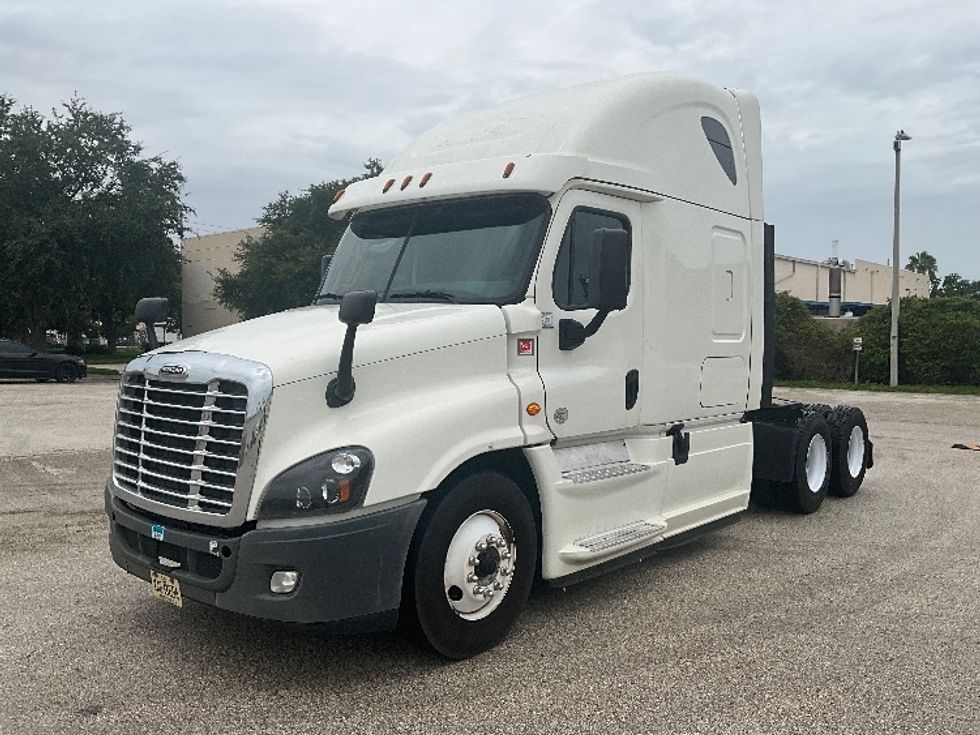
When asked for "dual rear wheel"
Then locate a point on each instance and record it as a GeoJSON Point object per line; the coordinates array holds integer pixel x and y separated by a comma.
{"type": "Point", "coordinates": [831, 457]}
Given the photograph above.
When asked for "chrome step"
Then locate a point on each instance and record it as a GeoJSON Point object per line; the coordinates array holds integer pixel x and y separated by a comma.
{"type": "Point", "coordinates": [603, 472]}
{"type": "Point", "coordinates": [608, 542]}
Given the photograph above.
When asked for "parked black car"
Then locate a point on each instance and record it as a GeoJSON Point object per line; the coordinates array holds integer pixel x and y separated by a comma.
{"type": "Point", "coordinates": [20, 361]}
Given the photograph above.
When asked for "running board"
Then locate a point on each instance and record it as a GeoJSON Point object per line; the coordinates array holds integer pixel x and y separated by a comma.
{"type": "Point", "coordinates": [607, 543]}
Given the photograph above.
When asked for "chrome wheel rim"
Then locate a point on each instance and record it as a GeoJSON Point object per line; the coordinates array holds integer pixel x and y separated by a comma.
{"type": "Point", "coordinates": [479, 565]}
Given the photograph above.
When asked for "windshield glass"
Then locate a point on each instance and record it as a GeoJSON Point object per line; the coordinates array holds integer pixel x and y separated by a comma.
{"type": "Point", "coordinates": [468, 251]}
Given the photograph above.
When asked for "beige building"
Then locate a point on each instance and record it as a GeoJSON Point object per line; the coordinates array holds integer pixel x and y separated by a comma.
{"type": "Point", "coordinates": [203, 257]}
{"type": "Point", "coordinates": [864, 283]}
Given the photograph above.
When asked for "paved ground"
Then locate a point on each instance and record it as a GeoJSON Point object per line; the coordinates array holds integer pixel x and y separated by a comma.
{"type": "Point", "coordinates": [860, 619]}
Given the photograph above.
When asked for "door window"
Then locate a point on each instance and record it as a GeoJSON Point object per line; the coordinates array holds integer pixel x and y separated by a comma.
{"type": "Point", "coordinates": [575, 284]}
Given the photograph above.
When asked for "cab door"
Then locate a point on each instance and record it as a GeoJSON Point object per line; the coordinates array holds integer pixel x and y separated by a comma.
{"type": "Point", "coordinates": [593, 388]}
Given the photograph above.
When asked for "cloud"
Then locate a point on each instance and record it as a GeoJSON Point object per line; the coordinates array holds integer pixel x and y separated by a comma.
{"type": "Point", "coordinates": [257, 96]}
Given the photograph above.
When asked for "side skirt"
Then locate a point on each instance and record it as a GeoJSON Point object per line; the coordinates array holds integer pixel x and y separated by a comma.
{"type": "Point", "coordinates": [640, 554]}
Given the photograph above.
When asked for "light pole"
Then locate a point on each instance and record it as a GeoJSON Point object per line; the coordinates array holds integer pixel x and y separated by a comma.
{"type": "Point", "coordinates": [897, 145]}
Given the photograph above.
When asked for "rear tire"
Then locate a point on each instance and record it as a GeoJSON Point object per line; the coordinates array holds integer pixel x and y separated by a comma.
{"type": "Point", "coordinates": [471, 565]}
{"type": "Point", "coordinates": [849, 443]}
{"type": "Point", "coordinates": [811, 482]}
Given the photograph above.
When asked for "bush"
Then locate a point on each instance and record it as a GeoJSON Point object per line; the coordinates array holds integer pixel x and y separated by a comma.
{"type": "Point", "coordinates": [806, 349]}
{"type": "Point", "coordinates": [939, 341]}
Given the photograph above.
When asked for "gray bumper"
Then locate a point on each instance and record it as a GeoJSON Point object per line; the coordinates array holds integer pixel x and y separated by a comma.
{"type": "Point", "coordinates": [350, 570]}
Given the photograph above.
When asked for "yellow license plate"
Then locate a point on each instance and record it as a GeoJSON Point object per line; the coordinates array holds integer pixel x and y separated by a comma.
{"type": "Point", "coordinates": [166, 588]}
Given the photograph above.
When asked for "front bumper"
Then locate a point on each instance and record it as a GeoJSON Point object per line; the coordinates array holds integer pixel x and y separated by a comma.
{"type": "Point", "coordinates": [350, 570]}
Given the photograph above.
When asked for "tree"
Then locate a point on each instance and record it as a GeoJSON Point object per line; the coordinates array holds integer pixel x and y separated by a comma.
{"type": "Point", "coordinates": [955, 285]}
{"type": "Point", "coordinates": [281, 268]}
{"type": "Point", "coordinates": [923, 262]}
{"type": "Point", "coordinates": [87, 222]}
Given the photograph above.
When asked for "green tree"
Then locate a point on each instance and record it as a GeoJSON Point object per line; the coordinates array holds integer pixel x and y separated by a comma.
{"type": "Point", "coordinates": [923, 262]}
{"type": "Point", "coordinates": [88, 223]}
{"type": "Point", "coordinates": [955, 285]}
{"type": "Point", "coordinates": [280, 269]}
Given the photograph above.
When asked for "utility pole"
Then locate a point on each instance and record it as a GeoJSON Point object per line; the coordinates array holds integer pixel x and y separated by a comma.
{"type": "Point", "coordinates": [896, 257]}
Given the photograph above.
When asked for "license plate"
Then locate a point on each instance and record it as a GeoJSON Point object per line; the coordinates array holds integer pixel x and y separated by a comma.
{"type": "Point", "coordinates": [166, 588]}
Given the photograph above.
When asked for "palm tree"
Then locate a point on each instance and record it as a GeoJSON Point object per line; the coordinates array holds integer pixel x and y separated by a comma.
{"type": "Point", "coordinates": [923, 262]}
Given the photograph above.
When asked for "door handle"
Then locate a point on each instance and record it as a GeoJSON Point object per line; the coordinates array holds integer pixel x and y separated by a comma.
{"type": "Point", "coordinates": [632, 388]}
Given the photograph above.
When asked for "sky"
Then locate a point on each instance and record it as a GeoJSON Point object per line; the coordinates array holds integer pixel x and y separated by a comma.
{"type": "Point", "coordinates": [257, 97]}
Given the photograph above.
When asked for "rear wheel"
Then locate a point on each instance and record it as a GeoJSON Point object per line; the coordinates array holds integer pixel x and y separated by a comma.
{"type": "Point", "coordinates": [811, 482]}
{"type": "Point", "coordinates": [849, 443]}
{"type": "Point", "coordinates": [471, 565]}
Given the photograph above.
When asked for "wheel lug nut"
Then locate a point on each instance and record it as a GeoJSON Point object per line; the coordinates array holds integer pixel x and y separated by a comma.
{"type": "Point", "coordinates": [498, 585]}
{"type": "Point", "coordinates": [505, 555]}
{"type": "Point", "coordinates": [478, 590]}
{"type": "Point", "coordinates": [471, 577]}
{"type": "Point", "coordinates": [501, 544]}
{"type": "Point", "coordinates": [471, 561]}
{"type": "Point", "coordinates": [481, 545]}
{"type": "Point", "coordinates": [487, 594]}
{"type": "Point", "coordinates": [503, 571]}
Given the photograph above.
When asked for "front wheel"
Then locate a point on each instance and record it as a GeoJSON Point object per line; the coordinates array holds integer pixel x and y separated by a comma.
{"type": "Point", "coordinates": [65, 374]}
{"type": "Point", "coordinates": [471, 565]}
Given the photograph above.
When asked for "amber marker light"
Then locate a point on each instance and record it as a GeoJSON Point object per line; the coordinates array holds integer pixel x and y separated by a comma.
{"type": "Point", "coordinates": [508, 170]}
{"type": "Point", "coordinates": [388, 184]}
{"type": "Point", "coordinates": [337, 194]}
{"type": "Point", "coordinates": [425, 179]}
{"type": "Point", "coordinates": [405, 182]}
{"type": "Point", "coordinates": [533, 409]}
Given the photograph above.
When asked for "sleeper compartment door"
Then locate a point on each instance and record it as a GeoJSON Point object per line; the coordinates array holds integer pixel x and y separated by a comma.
{"type": "Point", "coordinates": [592, 389]}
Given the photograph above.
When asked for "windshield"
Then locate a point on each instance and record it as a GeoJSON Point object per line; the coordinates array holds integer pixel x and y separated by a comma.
{"type": "Point", "coordinates": [467, 251]}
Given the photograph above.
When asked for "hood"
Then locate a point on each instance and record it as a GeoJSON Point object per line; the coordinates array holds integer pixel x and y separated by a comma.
{"type": "Point", "coordinates": [305, 343]}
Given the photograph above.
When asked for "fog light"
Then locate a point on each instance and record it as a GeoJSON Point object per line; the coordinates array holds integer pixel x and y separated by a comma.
{"type": "Point", "coordinates": [283, 582]}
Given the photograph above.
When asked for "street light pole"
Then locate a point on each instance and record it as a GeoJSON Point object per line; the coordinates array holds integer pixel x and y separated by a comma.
{"type": "Point", "coordinates": [896, 263]}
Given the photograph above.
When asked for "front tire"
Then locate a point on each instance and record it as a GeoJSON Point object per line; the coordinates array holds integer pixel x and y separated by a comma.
{"type": "Point", "coordinates": [66, 374]}
{"type": "Point", "coordinates": [471, 565]}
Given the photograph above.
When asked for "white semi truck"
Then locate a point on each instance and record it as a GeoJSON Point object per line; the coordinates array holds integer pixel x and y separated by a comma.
{"type": "Point", "coordinates": [543, 349]}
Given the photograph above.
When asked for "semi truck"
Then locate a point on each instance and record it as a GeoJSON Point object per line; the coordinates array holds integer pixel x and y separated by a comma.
{"type": "Point", "coordinates": [542, 350]}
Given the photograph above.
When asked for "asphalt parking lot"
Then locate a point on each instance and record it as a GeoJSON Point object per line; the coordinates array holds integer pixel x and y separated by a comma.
{"type": "Point", "coordinates": [863, 618]}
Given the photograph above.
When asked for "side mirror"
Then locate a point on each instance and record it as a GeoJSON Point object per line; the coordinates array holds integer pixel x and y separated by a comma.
{"type": "Point", "coordinates": [357, 307]}
{"type": "Point", "coordinates": [611, 258]}
{"type": "Point", "coordinates": [150, 312]}
{"type": "Point", "coordinates": [614, 258]}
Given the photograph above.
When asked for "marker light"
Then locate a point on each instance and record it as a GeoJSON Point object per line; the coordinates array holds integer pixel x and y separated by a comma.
{"type": "Point", "coordinates": [337, 194]}
{"type": "Point", "coordinates": [533, 409]}
{"type": "Point", "coordinates": [388, 184]}
{"type": "Point", "coordinates": [508, 170]}
{"type": "Point", "coordinates": [425, 179]}
{"type": "Point", "coordinates": [405, 182]}
{"type": "Point", "coordinates": [283, 581]}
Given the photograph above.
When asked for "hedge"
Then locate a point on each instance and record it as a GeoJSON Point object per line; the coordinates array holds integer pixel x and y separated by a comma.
{"type": "Point", "coordinates": [939, 343]}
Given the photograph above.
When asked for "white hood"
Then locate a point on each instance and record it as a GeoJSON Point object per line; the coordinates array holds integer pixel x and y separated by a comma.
{"type": "Point", "coordinates": [305, 343]}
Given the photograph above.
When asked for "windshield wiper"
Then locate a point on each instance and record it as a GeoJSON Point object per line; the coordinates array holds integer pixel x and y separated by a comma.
{"type": "Point", "coordinates": [440, 295]}
{"type": "Point", "coordinates": [327, 295]}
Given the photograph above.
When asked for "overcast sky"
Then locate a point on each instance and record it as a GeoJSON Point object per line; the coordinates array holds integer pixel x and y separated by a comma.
{"type": "Point", "coordinates": [259, 97]}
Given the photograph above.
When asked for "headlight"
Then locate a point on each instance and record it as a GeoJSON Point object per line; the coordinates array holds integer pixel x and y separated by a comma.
{"type": "Point", "coordinates": [332, 482]}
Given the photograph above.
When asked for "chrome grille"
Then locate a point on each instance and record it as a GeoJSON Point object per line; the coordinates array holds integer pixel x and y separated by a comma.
{"type": "Point", "coordinates": [180, 443]}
